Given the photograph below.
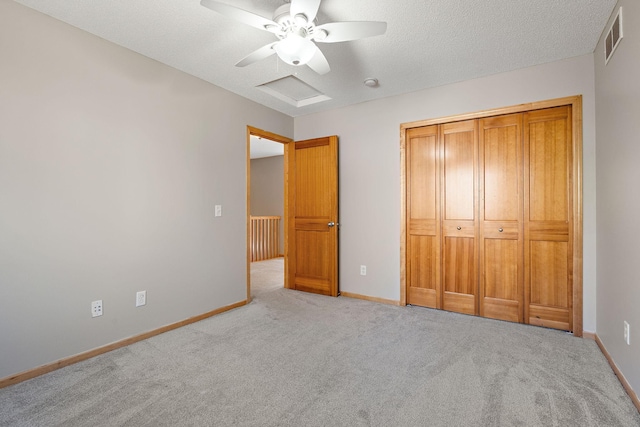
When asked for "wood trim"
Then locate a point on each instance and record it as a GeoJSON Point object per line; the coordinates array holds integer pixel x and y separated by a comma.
{"type": "Point", "coordinates": [310, 143]}
{"type": "Point", "coordinates": [627, 387]}
{"type": "Point", "coordinates": [335, 212]}
{"type": "Point", "coordinates": [288, 212]}
{"type": "Point", "coordinates": [289, 216]}
{"type": "Point", "coordinates": [576, 126]}
{"type": "Point", "coordinates": [44, 369]}
{"type": "Point", "coordinates": [576, 107]}
{"type": "Point", "coordinates": [248, 202]}
{"type": "Point", "coordinates": [286, 141]}
{"type": "Point", "coordinates": [268, 135]}
{"type": "Point", "coordinates": [520, 108]}
{"type": "Point", "coordinates": [373, 299]}
{"type": "Point", "coordinates": [403, 218]}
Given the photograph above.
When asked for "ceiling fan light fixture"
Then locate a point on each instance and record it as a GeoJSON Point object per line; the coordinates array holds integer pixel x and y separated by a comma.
{"type": "Point", "coordinates": [295, 50]}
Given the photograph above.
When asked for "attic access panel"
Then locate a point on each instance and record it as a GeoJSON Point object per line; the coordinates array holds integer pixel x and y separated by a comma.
{"type": "Point", "coordinates": [294, 91]}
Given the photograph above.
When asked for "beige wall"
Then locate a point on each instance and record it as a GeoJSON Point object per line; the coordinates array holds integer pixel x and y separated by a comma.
{"type": "Point", "coordinates": [110, 167]}
{"type": "Point", "coordinates": [618, 163]}
{"type": "Point", "coordinates": [370, 164]}
{"type": "Point", "coordinates": [267, 190]}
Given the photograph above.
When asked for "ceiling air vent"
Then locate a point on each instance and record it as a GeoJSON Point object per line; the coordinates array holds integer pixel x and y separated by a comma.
{"type": "Point", "coordinates": [613, 37]}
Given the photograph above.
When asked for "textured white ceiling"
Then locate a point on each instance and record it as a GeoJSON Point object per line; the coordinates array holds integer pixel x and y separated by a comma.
{"type": "Point", "coordinates": [428, 42]}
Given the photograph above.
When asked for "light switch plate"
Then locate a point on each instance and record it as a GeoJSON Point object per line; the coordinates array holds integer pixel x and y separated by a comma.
{"type": "Point", "coordinates": [218, 210]}
{"type": "Point", "coordinates": [627, 333]}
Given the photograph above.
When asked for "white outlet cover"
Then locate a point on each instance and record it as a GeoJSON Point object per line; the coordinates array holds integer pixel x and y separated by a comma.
{"type": "Point", "coordinates": [218, 210]}
{"type": "Point", "coordinates": [141, 298]}
{"type": "Point", "coordinates": [96, 308]}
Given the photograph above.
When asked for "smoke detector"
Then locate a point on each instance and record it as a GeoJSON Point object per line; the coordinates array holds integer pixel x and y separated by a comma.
{"type": "Point", "coordinates": [371, 82]}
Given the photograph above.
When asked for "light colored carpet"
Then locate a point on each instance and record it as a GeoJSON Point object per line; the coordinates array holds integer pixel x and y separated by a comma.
{"type": "Point", "coordinates": [267, 276]}
{"type": "Point", "coordinates": [294, 359]}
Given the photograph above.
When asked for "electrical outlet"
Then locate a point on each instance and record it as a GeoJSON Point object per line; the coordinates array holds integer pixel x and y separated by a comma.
{"type": "Point", "coordinates": [627, 333]}
{"type": "Point", "coordinates": [96, 308]}
{"type": "Point", "coordinates": [218, 210]}
{"type": "Point", "coordinates": [141, 298]}
{"type": "Point", "coordinates": [363, 270]}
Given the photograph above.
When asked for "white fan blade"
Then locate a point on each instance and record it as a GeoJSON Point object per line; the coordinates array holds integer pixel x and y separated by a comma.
{"type": "Point", "coordinates": [346, 31]}
{"type": "Point", "coordinates": [260, 54]}
{"type": "Point", "coordinates": [241, 15]}
{"type": "Point", "coordinates": [319, 63]}
{"type": "Point", "coordinates": [308, 8]}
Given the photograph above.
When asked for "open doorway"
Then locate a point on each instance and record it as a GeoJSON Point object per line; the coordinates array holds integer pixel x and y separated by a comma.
{"type": "Point", "coordinates": [266, 211]}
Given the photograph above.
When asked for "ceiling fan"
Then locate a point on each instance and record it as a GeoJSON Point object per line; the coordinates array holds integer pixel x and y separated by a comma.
{"type": "Point", "coordinates": [294, 24]}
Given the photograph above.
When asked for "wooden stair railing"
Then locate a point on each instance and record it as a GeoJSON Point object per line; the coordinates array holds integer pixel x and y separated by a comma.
{"type": "Point", "coordinates": [265, 237]}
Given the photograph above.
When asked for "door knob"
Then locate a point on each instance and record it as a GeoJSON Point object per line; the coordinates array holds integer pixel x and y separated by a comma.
{"type": "Point", "coordinates": [331, 224]}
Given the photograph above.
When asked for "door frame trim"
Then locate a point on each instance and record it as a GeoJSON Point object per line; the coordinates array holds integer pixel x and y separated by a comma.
{"type": "Point", "coordinates": [286, 142]}
{"type": "Point", "coordinates": [577, 209]}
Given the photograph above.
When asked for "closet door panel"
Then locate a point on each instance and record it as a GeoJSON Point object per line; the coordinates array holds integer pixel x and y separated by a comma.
{"type": "Point", "coordinates": [423, 200]}
{"type": "Point", "coordinates": [501, 158]}
{"type": "Point", "coordinates": [460, 272]}
{"type": "Point", "coordinates": [460, 222]}
{"type": "Point", "coordinates": [549, 274]}
{"type": "Point", "coordinates": [548, 218]}
{"type": "Point", "coordinates": [501, 297]}
{"type": "Point", "coordinates": [501, 213]}
{"type": "Point", "coordinates": [549, 170]}
{"type": "Point", "coordinates": [423, 271]}
{"type": "Point", "coordinates": [459, 171]}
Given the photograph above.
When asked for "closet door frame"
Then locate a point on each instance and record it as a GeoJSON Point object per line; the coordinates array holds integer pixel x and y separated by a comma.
{"type": "Point", "coordinates": [575, 102]}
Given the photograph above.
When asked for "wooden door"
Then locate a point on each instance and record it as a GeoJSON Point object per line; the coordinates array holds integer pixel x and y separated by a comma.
{"type": "Point", "coordinates": [459, 216]}
{"type": "Point", "coordinates": [313, 213]}
{"type": "Point", "coordinates": [548, 218]}
{"type": "Point", "coordinates": [423, 217]}
{"type": "Point", "coordinates": [501, 234]}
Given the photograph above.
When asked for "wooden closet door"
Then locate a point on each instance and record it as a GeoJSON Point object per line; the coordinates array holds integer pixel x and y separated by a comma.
{"type": "Point", "coordinates": [501, 203]}
{"type": "Point", "coordinates": [459, 216]}
{"type": "Point", "coordinates": [548, 218]}
{"type": "Point", "coordinates": [423, 212]}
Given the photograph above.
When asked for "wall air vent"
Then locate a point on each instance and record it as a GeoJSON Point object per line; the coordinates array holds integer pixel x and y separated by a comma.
{"type": "Point", "coordinates": [613, 37]}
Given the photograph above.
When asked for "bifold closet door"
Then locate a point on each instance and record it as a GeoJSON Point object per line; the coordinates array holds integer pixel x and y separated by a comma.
{"type": "Point", "coordinates": [459, 145]}
{"type": "Point", "coordinates": [548, 219]}
{"type": "Point", "coordinates": [423, 217]}
{"type": "Point", "coordinates": [501, 211]}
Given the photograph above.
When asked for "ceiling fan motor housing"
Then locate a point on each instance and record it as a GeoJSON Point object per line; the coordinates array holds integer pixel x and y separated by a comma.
{"type": "Point", "coordinates": [283, 17]}
{"type": "Point", "coordinates": [298, 24]}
